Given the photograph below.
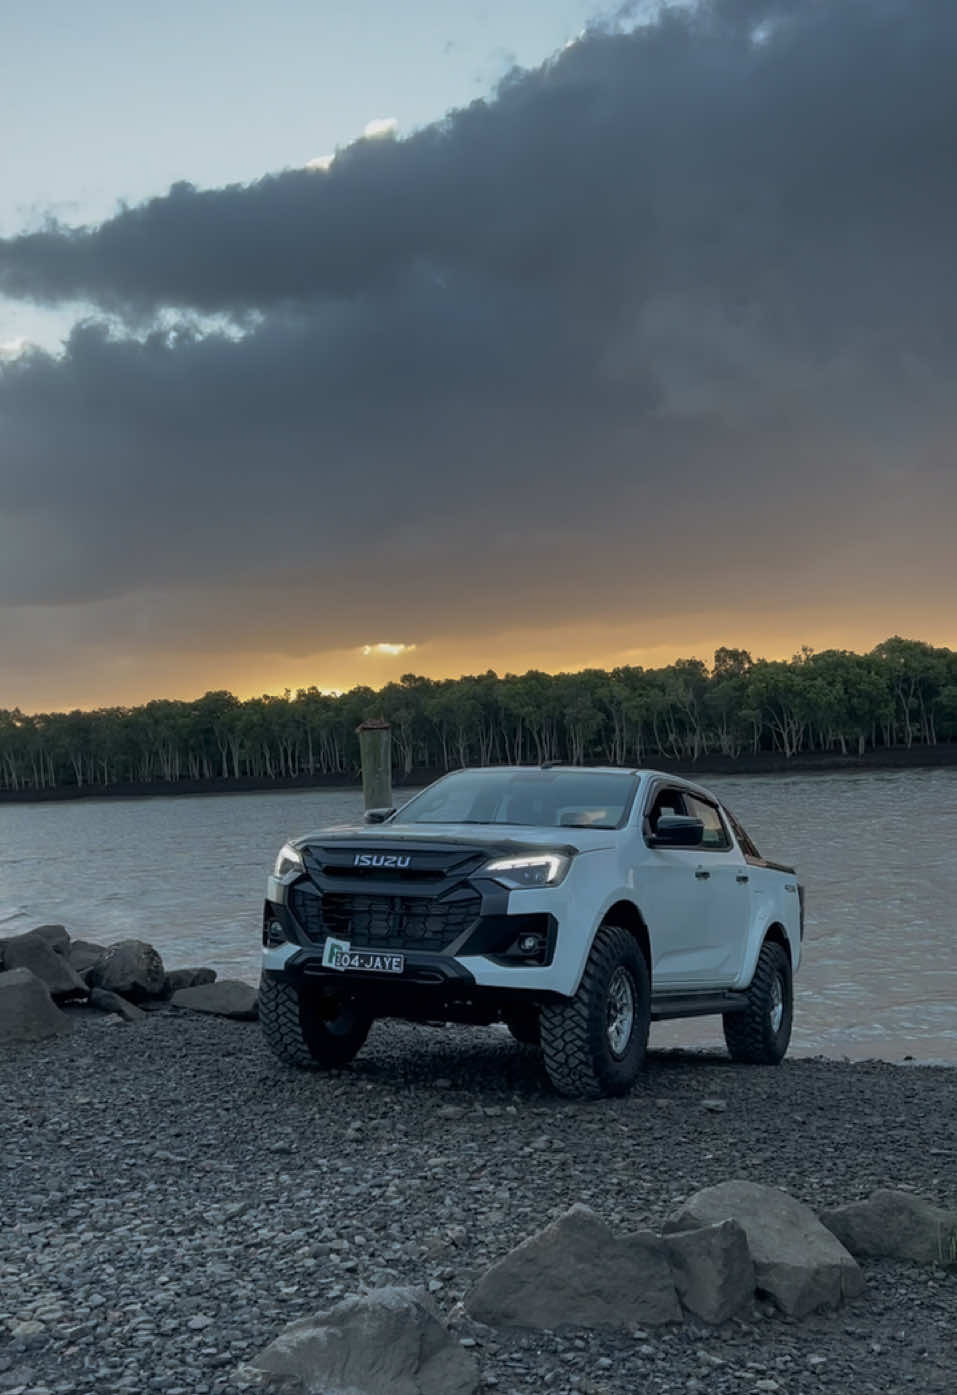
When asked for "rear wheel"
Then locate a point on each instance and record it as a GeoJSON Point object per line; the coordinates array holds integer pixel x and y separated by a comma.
{"type": "Point", "coordinates": [760, 1034]}
{"type": "Point", "coordinates": [309, 1030]}
{"type": "Point", "coordinates": [595, 1042]}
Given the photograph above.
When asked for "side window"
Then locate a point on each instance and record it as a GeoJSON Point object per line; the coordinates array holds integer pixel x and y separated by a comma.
{"type": "Point", "coordinates": [666, 801]}
{"type": "Point", "coordinates": [715, 834]}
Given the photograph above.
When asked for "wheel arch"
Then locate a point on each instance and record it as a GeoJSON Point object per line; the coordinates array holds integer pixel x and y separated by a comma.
{"type": "Point", "coordinates": [626, 916]}
{"type": "Point", "coordinates": [760, 934]}
{"type": "Point", "coordinates": [777, 934]}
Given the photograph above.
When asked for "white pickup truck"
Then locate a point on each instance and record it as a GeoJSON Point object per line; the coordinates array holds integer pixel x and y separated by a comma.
{"type": "Point", "coordinates": [575, 905]}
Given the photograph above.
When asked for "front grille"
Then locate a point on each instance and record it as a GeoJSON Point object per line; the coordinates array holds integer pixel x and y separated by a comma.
{"type": "Point", "coordinates": [384, 874]}
{"type": "Point", "coordinates": [385, 922]}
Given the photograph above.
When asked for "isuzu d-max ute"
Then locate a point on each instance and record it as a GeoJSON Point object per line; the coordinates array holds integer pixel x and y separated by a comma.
{"type": "Point", "coordinates": [575, 905]}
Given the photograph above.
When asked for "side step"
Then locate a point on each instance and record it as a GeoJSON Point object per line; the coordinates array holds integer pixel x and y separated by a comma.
{"type": "Point", "coordinates": [669, 1005]}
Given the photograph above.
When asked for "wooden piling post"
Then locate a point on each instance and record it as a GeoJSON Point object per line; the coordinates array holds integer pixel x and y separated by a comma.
{"type": "Point", "coordinates": [375, 750]}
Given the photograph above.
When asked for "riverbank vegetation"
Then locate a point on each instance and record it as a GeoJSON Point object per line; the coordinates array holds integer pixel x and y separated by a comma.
{"type": "Point", "coordinates": [901, 694]}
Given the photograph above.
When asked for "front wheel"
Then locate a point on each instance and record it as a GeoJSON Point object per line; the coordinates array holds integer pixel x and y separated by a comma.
{"type": "Point", "coordinates": [595, 1043]}
{"type": "Point", "coordinates": [307, 1029]}
{"type": "Point", "coordinates": [760, 1034]}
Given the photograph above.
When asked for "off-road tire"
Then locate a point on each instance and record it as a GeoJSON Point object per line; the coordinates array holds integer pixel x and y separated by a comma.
{"type": "Point", "coordinates": [525, 1027]}
{"type": "Point", "coordinates": [579, 1057]}
{"type": "Point", "coordinates": [294, 1029]}
{"type": "Point", "coordinates": [751, 1035]}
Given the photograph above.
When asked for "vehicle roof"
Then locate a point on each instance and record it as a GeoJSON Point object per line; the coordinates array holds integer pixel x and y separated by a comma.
{"type": "Point", "coordinates": [643, 771]}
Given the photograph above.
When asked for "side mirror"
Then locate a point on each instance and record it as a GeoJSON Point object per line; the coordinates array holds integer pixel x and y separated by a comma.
{"type": "Point", "coordinates": [677, 831]}
{"type": "Point", "coordinates": [377, 815]}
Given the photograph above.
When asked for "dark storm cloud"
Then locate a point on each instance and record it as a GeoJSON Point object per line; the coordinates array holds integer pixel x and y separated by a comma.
{"type": "Point", "coordinates": [577, 343]}
{"type": "Point", "coordinates": [761, 149]}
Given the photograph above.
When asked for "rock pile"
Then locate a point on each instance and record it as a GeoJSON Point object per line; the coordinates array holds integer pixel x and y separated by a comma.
{"type": "Point", "coordinates": [726, 1247]}
{"type": "Point", "coordinates": [798, 1263]}
{"type": "Point", "coordinates": [723, 1246]}
{"type": "Point", "coordinates": [43, 968]}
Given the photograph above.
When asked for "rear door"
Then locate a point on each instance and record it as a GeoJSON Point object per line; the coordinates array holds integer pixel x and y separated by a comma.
{"type": "Point", "coordinates": [727, 908]}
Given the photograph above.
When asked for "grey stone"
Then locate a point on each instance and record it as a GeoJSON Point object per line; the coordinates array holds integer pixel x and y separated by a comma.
{"type": "Point", "coordinates": [390, 1341]}
{"type": "Point", "coordinates": [713, 1270]}
{"type": "Point", "coordinates": [106, 1001]}
{"type": "Point", "coordinates": [83, 954]}
{"type": "Point", "coordinates": [575, 1272]}
{"type": "Point", "coordinates": [797, 1262]}
{"type": "Point", "coordinates": [895, 1225]}
{"type": "Point", "coordinates": [188, 978]}
{"type": "Point", "coordinates": [228, 998]}
{"type": "Point", "coordinates": [32, 951]}
{"type": "Point", "coordinates": [56, 936]}
{"type": "Point", "coordinates": [131, 968]}
{"type": "Point", "coordinates": [27, 1012]}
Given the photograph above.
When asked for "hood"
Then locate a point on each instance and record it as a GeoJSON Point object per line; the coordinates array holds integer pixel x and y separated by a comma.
{"type": "Point", "coordinates": [495, 835]}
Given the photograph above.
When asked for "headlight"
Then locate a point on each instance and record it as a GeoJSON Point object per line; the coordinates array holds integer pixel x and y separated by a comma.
{"type": "Point", "coordinates": [288, 860]}
{"type": "Point", "coordinates": [533, 869]}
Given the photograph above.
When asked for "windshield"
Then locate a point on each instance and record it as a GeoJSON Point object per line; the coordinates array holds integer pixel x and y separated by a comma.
{"type": "Point", "coordinates": [532, 798]}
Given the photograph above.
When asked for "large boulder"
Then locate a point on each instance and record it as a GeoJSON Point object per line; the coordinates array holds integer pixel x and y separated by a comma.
{"type": "Point", "coordinates": [896, 1225]}
{"type": "Point", "coordinates": [188, 978]}
{"type": "Point", "coordinates": [576, 1273]}
{"type": "Point", "coordinates": [390, 1341]}
{"type": "Point", "coordinates": [83, 954]}
{"type": "Point", "coordinates": [797, 1262]}
{"type": "Point", "coordinates": [56, 937]}
{"type": "Point", "coordinates": [228, 998]}
{"type": "Point", "coordinates": [27, 1012]}
{"type": "Point", "coordinates": [33, 952]}
{"type": "Point", "coordinates": [713, 1270]}
{"type": "Point", "coordinates": [131, 968]}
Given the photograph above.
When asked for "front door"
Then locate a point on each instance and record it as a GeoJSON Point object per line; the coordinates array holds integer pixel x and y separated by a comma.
{"type": "Point", "coordinates": [695, 902]}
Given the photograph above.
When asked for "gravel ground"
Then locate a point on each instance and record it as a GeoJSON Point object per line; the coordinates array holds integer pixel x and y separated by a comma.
{"type": "Point", "coordinates": [171, 1197]}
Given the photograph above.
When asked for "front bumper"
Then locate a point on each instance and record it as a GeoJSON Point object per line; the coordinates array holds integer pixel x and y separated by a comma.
{"type": "Point", "coordinates": [433, 901]}
{"type": "Point", "coordinates": [455, 925]}
{"type": "Point", "coordinates": [433, 988]}
{"type": "Point", "coordinates": [483, 950]}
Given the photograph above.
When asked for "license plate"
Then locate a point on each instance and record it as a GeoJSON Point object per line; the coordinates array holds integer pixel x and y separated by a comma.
{"type": "Point", "coordinates": [339, 954]}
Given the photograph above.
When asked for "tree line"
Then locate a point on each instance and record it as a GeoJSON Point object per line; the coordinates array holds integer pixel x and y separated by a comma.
{"type": "Point", "coordinates": [902, 693]}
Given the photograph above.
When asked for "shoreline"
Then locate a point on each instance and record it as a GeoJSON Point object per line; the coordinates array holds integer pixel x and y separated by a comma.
{"type": "Point", "coordinates": [939, 757]}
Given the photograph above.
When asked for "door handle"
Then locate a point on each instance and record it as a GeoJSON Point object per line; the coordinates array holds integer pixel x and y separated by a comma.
{"type": "Point", "coordinates": [702, 874]}
{"type": "Point", "coordinates": [742, 877]}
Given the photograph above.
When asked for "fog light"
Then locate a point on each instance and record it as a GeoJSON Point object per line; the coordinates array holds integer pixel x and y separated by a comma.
{"type": "Point", "coordinates": [274, 934]}
{"type": "Point", "coordinates": [529, 944]}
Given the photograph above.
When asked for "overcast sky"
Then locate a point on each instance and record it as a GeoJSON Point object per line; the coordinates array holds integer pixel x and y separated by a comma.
{"type": "Point", "coordinates": [649, 348]}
